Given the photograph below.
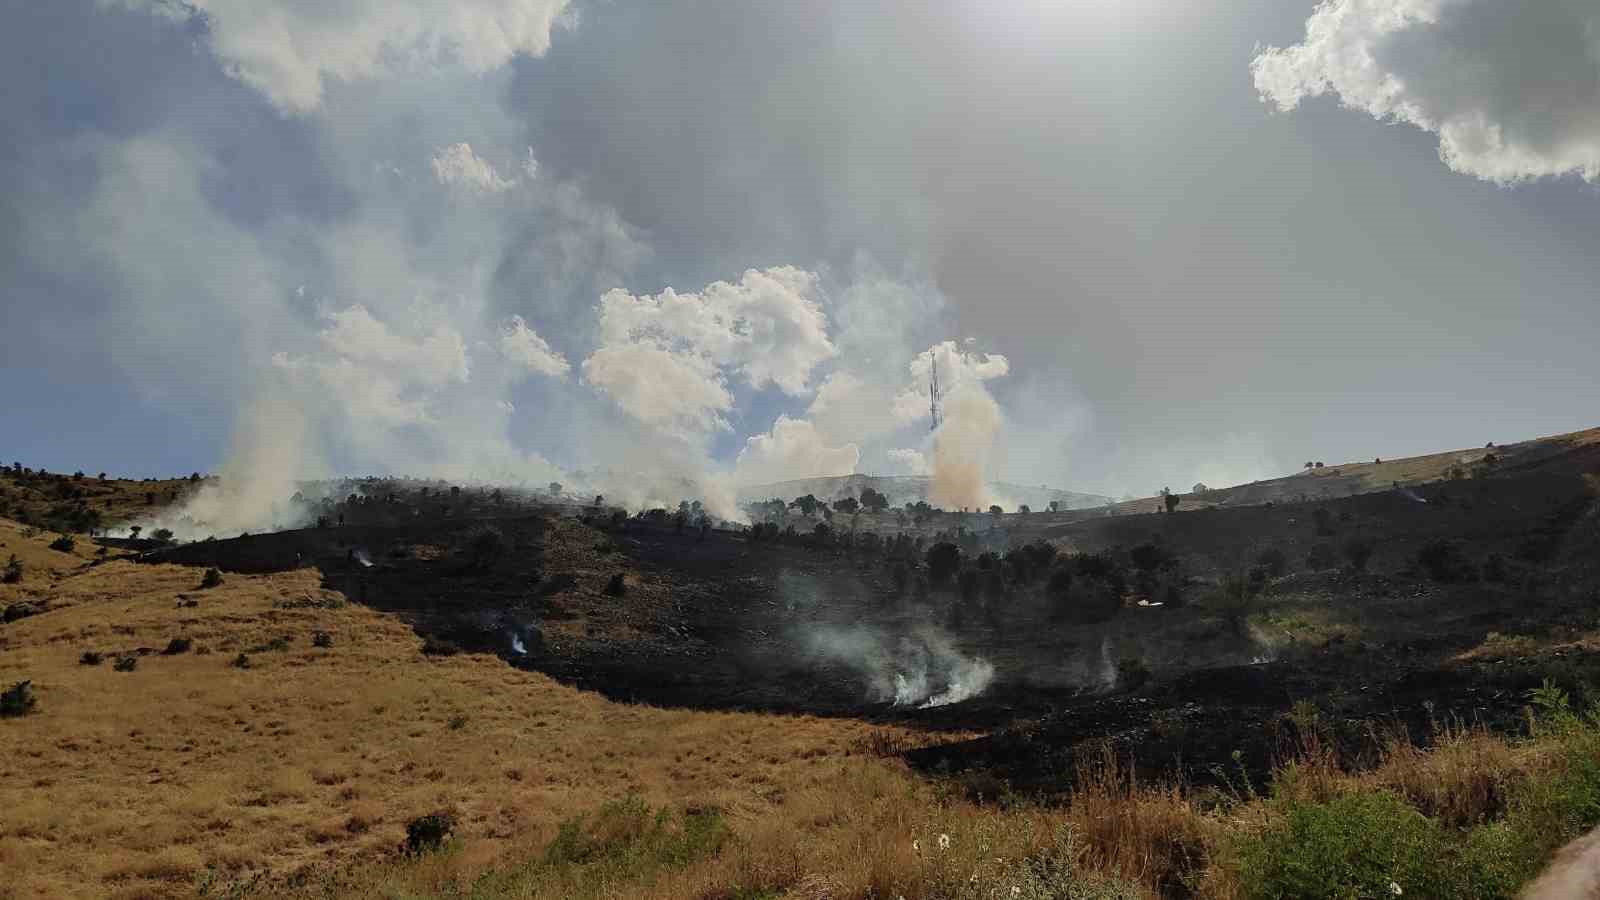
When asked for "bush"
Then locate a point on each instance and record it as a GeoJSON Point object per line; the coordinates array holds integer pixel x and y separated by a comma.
{"type": "Point", "coordinates": [212, 578]}
{"type": "Point", "coordinates": [433, 646]}
{"type": "Point", "coordinates": [90, 658]}
{"type": "Point", "coordinates": [969, 585]}
{"type": "Point", "coordinates": [18, 700]}
{"type": "Point", "coordinates": [1358, 552]}
{"type": "Point", "coordinates": [322, 639]}
{"type": "Point", "coordinates": [944, 560]}
{"type": "Point", "coordinates": [1361, 845]}
{"type": "Point", "coordinates": [429, 833]}
{"type": "Point", "coordinates": [13, 571]}
{"type": "Point", "coordinates": [1091, 599]}
{"type": "Point", "coordinates": [1149, 557]}
{"type": "Point", "coordinates": [617, 586]}
{"type": "Point", "coordinates": [64, 544]}
{"type": "Point", "coordinates": [125, 663]}
{"type": "Point", "coordinates": [176, 646]}
{"type": "Point", "coordinates": [241, 661]}
{"type": "Point", "coordinates": [1443, 561]}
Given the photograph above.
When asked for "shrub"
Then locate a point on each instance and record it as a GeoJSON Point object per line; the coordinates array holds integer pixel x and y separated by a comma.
{"type": "Point", "coordinates": [433, 646]}
{"type": "Point", "coordinates": [13, 571]}
{"type": "Point", "coordinates": [64, 543]}
{"type": "Point", "coordinates": [969, 585]}
{"type": "Point", "coordinates": [1132, 673]}
{"type": "Point", "coordinates": [944, 560]}
{"type": "Point", "coordinates": [176, 646]}
{"type": "Point", "coordinates": [21, 610]}
{"type": "Point", "coordinates": [164, 535]}
{"type": "Point", "coordinates": [212, 578]}
{"type": "Point", "coordinates": [90, 658]}
{"type": "Point", "coordinates": [1443, 561]}
{"type": "Point", "coordinates": [1358, 552]}
{"type": "Point", "coordinates": [18, 700]}
{"type": "Point", "coordinates": [1273, 561]}
{"type": "Point", "coordinates": [241, 661]}
{"type": "Point", "coordinates": [617, 586]}
{"type": "Point", "coordinates": [1149, 557]}
{"type": "Point", "coordinates": [322, 639]}
{"type": "Point", "coordinates": [428, 833]}
{"type": "Point", "coordinates": [126, 663]}
{"type": "Point", "coordinates": [1361, 845]}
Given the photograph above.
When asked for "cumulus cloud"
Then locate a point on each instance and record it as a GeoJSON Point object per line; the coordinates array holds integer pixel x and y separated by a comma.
{"type": "Point", "coordinates": [958, 368]}
{"type": "Point", "coordinates": [667, 359]}
{"type": "Point", "coordinates": [290, 49]}
{"type": "Point", "coordinates": [457, 166]}
{"type": "Point", "coordinates": [1512, 90]}
{"type": "Point", "coordinates": [794, 448]}
{"type": "Point", "coordinates": [910, 460]}
{"type": "Point", "coordinates": [682, 394]}
{"type": "Point", "coordinates": [524, 347]}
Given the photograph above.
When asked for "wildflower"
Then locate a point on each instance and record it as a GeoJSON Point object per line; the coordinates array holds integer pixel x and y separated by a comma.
{"type": "Point", "coordinates": [944, 842]}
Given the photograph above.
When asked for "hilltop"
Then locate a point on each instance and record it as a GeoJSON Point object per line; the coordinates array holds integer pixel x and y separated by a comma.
{"type": "Point", "coordinates": [903, 489]}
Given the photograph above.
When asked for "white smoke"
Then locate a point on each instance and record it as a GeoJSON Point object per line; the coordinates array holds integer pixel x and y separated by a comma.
{"type": "Point", "coordinates": [1509, 88]}
{"type": "Point", "coordinates": [794, 448]}
{"type": "Point", "coordinates": [921, 669]}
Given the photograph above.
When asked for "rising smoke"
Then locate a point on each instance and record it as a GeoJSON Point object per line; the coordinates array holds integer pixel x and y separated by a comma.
{"type": "Point", "coordinates": [919, 669]}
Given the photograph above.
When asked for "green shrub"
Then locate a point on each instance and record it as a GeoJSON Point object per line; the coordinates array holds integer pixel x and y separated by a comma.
{"type": "Point", "coordinates": [126, 663]}
{"type": "Point", "coordinates": [64, 544]}
{"type": "Point", "coordinates": [13, 571]}
{"type": "Point", "coordinates": [425, 834]}
{"type": "Point", "coordinates": [212, 578]}
{"type": "Point", "coordinates": [1360, 845]}
{"type": "Point", "coordinates": [18, 700]}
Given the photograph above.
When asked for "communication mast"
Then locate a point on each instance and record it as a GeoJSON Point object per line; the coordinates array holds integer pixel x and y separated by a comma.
{"type": "Point", "coordinates": [933, 392]}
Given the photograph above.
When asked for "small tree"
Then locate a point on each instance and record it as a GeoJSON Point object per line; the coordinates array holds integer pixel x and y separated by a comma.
{"type": "Point", "coordinates": [944, 559]}
{"type": "Point", "coordinates": [807, 505]}
{"type": "Point", "coordinates": [1171, 501]}
{"type": "Point", "coordinates": [1055, 505]}
{"type": "Point", "coordinates": [555, 488]}
{"type": "Point", "coordinates": [873, 501]}
{"type": "Point", "coordinates": [13, 571]}
{"type": "Point", "coordinates": [133, 531]}
{"type": "Point", "coordinates": [848, 506]}
{"type": "Point", "coordinates": [996, 511]}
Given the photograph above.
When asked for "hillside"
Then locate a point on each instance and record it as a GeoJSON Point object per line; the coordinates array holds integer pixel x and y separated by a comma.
{"type": "Point", "coordinates": [903, 489]}
{"type": "Point", "coordinates": [615, 706]}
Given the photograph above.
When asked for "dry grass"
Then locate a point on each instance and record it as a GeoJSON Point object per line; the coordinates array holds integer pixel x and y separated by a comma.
{"type": "Point", "coordinates": [138, 783]}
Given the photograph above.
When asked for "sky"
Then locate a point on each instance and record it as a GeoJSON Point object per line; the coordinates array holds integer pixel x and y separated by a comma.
{"type": "Point", "coordinates": [641, 245]}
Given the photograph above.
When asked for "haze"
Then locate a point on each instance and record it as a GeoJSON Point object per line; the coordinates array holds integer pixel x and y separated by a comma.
{"type": "Point", "coordinates": [634, 244]}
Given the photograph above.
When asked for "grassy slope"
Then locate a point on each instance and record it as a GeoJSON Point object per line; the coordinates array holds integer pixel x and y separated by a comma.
{"type": "Point", "coordinates": [33, 498]}
{"type": "Point", "coordinates": [135, 783]}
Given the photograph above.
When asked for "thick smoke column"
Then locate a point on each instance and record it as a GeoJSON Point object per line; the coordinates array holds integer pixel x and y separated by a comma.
{"type": "Point", "coordinates": [270, 454]}
{"type": "Point", "coordinates": [962, 446]}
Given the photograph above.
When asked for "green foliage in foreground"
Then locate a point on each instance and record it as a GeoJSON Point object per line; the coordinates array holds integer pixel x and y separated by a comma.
{"type": "Point", "coordinates": [1375, 845]}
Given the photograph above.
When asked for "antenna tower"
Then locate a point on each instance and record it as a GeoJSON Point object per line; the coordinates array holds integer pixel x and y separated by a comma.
{"type": "Point", "coordinates": [933, 392]}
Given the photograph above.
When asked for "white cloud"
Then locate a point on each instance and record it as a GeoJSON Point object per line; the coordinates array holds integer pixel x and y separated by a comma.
{"type": "Point", "coordinates": [523, 346]}
{"type": "Point", "coordinates": [680, 393]}
{"type": "Point", "coordinates": [667, 359]}
{"type": "Point", "coordinates": [769, 327]}
{"type": "Point", "coordinates": [437, 358]}
{"type": "Point", "coordinates": [1511, 89]}
{"type": "Point", "coordinates": [957, 368]}
{"type": "Point", "coordinates": [457, 166]}
{"type": "Point", "coordinates": [849, 407]}
{"type": "Point", "coordinates": [290, 49]}
{"type": "Point", "coordinates": [912, 461]}
{"type": "Point", "coordinates": [794, 448]}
